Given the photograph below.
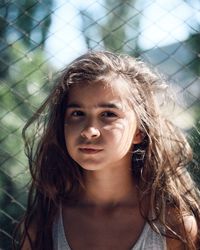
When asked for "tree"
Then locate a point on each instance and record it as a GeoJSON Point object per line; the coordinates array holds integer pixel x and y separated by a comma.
{"type": "Point", "coordinates": [116, 28]}
{"type": "Point", "coordinates": [22, 20]}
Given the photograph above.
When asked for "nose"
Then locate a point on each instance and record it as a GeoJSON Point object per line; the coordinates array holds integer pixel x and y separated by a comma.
{"type": "Point", "coordinates": [90, 133]}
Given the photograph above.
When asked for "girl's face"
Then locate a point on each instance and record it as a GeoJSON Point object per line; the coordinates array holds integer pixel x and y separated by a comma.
{"type": "Point", "coordinates": [100, 127]}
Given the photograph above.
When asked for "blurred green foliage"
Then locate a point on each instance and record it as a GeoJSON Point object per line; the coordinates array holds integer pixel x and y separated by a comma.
{"type": "Point", "coordinates": [23, 84]}
{"type": "Point", "coordinates": [118, 30]}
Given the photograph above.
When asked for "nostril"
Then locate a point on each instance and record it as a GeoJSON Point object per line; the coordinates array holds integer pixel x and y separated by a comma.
{"type": "Point", "coordinates": [90, 132]}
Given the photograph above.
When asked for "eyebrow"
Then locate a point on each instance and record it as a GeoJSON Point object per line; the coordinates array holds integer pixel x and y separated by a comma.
{"type": "Point", "coordinates": [100, 105]}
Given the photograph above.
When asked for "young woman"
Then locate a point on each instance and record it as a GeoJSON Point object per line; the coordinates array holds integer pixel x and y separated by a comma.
{"type": "Point", "coordinates": [108, 170]}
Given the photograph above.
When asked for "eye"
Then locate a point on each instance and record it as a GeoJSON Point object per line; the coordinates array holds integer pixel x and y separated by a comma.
{"type": "Point", "coordinates": [77, 113]}
{"type": "Point", "coordinates": [109, 114]}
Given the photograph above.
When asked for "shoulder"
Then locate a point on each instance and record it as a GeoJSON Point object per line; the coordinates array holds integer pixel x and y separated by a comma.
{"type": "Point", "coordinates": [191, 226]}
{"type": "Point", "coordinates": [29, 237]}
{"type": "Point", "coordinates": [185, 226]}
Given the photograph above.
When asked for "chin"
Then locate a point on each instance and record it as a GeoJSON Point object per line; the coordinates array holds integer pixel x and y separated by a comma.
{"type": "Point", "coordinates": [90, 166]}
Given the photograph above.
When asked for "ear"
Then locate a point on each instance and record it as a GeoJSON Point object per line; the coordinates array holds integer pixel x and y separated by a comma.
{"type": "Point", "coordinates": [137, 137]}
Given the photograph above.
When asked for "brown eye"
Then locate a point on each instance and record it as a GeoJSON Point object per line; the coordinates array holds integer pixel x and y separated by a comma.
{"type": "Point", "coordinates": [109, 114]}
{"type": "Point", "coordinates": [77, 113]}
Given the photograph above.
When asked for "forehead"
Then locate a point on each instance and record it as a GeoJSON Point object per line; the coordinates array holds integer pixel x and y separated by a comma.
{"type": "Point", "coordinates": [99, 92]}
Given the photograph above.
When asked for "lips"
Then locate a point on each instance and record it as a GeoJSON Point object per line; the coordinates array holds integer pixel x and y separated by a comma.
{"type": "Point", "coordinates": [90, 150]}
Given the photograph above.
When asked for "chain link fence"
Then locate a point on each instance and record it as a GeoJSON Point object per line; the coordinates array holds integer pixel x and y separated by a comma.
{"type": "Point", "coordinates": [39, 37]}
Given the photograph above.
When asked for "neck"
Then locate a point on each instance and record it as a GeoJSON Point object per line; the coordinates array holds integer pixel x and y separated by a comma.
{"type": "Point", "coordinates": [109, 187]}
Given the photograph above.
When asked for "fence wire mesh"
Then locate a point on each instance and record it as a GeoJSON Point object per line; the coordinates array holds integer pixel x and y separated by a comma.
{"type": "Point", "coordinates": [39, 37]}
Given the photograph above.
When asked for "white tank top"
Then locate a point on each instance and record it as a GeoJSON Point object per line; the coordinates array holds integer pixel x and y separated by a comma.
{"type": "Point", "coordinates": [148, 240]}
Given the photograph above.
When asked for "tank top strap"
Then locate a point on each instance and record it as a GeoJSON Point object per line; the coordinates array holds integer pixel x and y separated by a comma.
{"type": "Point", "coordinates": [59, 238]}
{"type": "Point", "coordinates": [140, 243]}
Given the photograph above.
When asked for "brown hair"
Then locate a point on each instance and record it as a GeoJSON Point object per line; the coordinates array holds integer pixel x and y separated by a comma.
{"type": "Point", "coordinates": [159, 162]}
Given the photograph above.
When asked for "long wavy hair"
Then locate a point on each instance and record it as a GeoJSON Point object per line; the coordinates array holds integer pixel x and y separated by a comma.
{"type": "Point", "coordinates": [160, 161]}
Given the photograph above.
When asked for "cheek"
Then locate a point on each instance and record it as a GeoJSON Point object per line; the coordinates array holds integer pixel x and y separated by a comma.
{"type": "Point", "coordinates": [72, 128]}
{"type": "Point", "coordinates": [70, 133]}
{"type": "Point", "coordinates": [113, 132]}
{"type": "Point", "coordinates": [120, 133]}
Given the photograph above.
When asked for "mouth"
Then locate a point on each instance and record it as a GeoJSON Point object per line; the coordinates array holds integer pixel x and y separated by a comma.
{"type": "Point", "coordinates": [90, 150]}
